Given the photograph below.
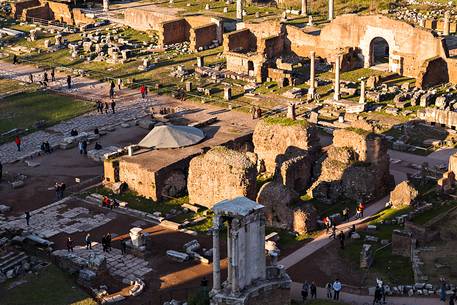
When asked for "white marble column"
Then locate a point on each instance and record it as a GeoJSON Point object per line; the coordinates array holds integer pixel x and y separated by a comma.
{"type": "Point", "coordinates": [312, 75]}
{"type": "Point", "coordinates": [216, 256]}
{"type": "Point", "coordinates": [331, 9]}
{"type": "Point", "coordinates": [446, 24]}
{"type": "Point", "coordinates": [362, 92]}
{"type": "Point", "coordinates": [239, 10]}
{"type": "Point", "coordinates": [105, 5]}
{"type": "Point", "coordinates": [304, 7]}
{"type": "Point", "coordinates": [235, 284]}
{"type": "Point", "coordinates": [229, 255]}
{"type": "Point", "coordinates": [336, 95]}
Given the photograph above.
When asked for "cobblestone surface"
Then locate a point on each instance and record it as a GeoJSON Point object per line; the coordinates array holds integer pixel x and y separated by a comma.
{"type": "Point", "coordinates": [58, 218]}
{"type": "Point", "coordinates": [129, 106]}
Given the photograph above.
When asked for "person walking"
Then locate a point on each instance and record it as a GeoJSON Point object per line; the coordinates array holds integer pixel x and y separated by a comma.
{"type": "Point", "coordinates": [18, 143]}
{"type": "Point", "coordinates": [15, 59]}
{"type": "Point", "coordinates": [84, 147]}
{"type": "Point", "coordinates": [362, 208]}
{"type": "Point", "coordinates": [143, 91]}
{"type": "Point", "coordinates": [45, 77]}
{"type": "Point", "coordinates": [123, 247]}
{"type": "Point", "coordinates": [31, 78]}
{"type": "Point", "coordinates": [69, 82]}
{"type": "Point", "coordinates": [69, 244]}
{"type": "Point", "coordinates": [111, 92]}
{"type": "Point", "coordinates": [88, 242]}
{"type": "Point", "coordinates": [53, 75]}
{"type": "Point", "coordinates": [443, 290]}
{"type": "Point", "coordinates": [119, 84]}
{"type": "Point", "coordinates": [1, 171]}
{"type": "Point", "coordinates": [327, 223]}
{"type": "Point", "coordinates": [336, 289]}
{"type": "Point", "coordinates": [333, 235]}
{"type": "Point", "coordinates": [62, 189]}
{"type": "Point", "coordinates": [108, 241]}
{"type": "Point", "coordinates": [452, 298]}
{"type": "Point", "coordinates": [304, 291]}
{"type": "Point", "coordinates": [329, 287]}
{"type": "Point", "coordinates": [377, 296]}
{"type": "Point", "coordinates": [341, 237]}
{"type": "Point", "coordinates": [104, 243]}
{"type": "Point", "coordinates": [113, 105]}
{"type": "Point", "coordinates": [80, 147]}
{"type": "Point", "coordinates": [57, 189]}
{"type": "Point", "coordinates": [313, 290]}
{"type": "Point", "coordinates": [346, 214]}
{"type": "Point", "coordinates": [27, 217]}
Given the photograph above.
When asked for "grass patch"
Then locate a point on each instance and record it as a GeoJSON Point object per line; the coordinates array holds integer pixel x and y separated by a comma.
{"type": "Point", "coordinates": [25, 109]}
{"type": "Point", "coordinates": [142, 203]}
{"type": "Point", "coordinates": [50, 286]}
{"type": "Point", "coordinates": [282, 121]}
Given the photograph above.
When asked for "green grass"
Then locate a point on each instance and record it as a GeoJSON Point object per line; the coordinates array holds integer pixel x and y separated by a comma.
{"type": "Point", "coordinates": [324, 209]}
{"type": "Point", "coordinates": [8, 86]}
{"type": "Point", "coordinates": [282, 121]}
{"type": "Point", "coordinates": [142, 203]}
{"type": "Point", "coordinates": [25, 109]}
{"type": "Point", "coordinates": [50, 286]}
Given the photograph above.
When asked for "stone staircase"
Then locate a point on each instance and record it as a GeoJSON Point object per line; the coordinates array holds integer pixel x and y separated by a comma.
{"type": "Point", "coordinates": [11, 261]}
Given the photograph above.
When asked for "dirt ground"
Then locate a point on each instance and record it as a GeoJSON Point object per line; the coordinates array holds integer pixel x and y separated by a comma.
{"type": "Point", "coordinates": [59, 166]}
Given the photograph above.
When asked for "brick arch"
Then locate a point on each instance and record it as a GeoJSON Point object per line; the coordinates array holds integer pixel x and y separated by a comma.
{"type": "Point", "coordinates": [372, 33]}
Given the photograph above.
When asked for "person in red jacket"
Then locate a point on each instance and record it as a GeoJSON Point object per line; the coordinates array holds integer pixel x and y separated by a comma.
{"type": "Point", "coordinates": [18, 143]}
{"type": "Point", "coordinates": [143, 91]}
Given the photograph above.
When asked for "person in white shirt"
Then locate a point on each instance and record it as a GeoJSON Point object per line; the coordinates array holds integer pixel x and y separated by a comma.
{"type": "Point", "coordinates": [336, 289]}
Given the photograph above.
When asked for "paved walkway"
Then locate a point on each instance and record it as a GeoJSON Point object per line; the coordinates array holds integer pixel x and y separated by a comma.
{"type": "Point", "coordinates": [356, 299]}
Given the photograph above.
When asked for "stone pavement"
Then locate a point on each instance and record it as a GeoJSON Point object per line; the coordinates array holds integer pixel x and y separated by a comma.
{"type": "Point", "coordinates": [58, 218]}
{"type": "Point", "coordinates": [355, 299]}
{"type": "Point", "coordinates": [123, 267]}
{"type": "Point", "coordinates": [129, 106]}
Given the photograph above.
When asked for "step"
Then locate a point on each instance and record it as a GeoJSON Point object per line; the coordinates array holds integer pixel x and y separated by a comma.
{"type": "Point", "coordinates": [12, 261]}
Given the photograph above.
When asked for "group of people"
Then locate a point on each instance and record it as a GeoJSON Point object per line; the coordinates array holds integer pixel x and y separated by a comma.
{"type": "Point", "coordinates": [109, 203]}
{"type": "Point", "coordinates": [144, 91]}
{"type": "Point", "coordinates": [45, 77]}
{"type": "Point", "coordinates": [60, 190]}
{"type": "Point", "coordinates": [444, 287]}
{"type": "Point", "coordinates": [82, 146]}
{"type": "Point", "coordinates": [105, 106]}
{"type": "Point", "coordinates": [46, 147]}
{"type": "Point", "coordinates": [308, 289]}
{"type": "Point", "coordinates": [334, 289]}
{"type": "Point", "coordinates": [256, 112]}
{"type": "Point", "coordinates": [106, 243]}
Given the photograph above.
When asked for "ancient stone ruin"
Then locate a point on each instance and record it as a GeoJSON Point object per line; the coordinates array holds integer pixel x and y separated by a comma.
{"type": "Point", "coordinates": [403, 195]}
{"type": "Point", "coordinates": [220, 174]}
{"type": "Point", "coordinates": [356, 166]}
{"type": "Point", "coordinates": [249, 280]}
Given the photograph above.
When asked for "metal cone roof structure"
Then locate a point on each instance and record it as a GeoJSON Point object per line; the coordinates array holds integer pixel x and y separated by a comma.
{"type": "Point", "coordinates": [172, 136]}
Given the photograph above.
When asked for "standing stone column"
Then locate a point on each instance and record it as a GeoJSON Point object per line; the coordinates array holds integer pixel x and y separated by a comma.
{"type": "Point", "coordinates": [235, 284]}
{"type": "Point", "coordinates": [331, 9]}
{"type": "Point", "coordinates": [239, 10]}
{"type": "Point", "coordinates": [216, 256]}
{"type": "Point", "coordinates": [291, 114]}
{"type": "Point", "coordinates": [446, 24]}
{"type": "Point", "coordinates": [312, 75]}
{"type": "Point", "coordinates": [336, 95]}
{"type": "Point", "coordinates": [105, 5]}
{"type": "Point", "coordinates": [304, 7]}
{"type": "Point", "coordinates": [362, 92]}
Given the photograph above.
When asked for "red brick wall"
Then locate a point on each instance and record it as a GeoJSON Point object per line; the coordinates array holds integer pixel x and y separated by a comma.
{"type": "Point", "coordinates": [174, 31]}
{"type": "Point", "coordinates": [202, 36]}
{"type": "Point", "coordinates": [18, 7]}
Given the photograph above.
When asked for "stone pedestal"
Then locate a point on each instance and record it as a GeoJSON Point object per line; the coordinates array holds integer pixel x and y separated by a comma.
{"type": "Point", "coordinates": [446, 24]}
{"type": "Point", "coordinates": [362, 92]}
{"type": "Point", "coordinates": [312, 78]}
{"type": "Point", "coordinates": [188, 86]}
{"type": "Point", "coordinates": [291, 111]}
{"type": "Point", "coordinates": [200, 62]}
{"type": "Point", "coordinates": [136, 237]}
{"type": "Point", "coordinates": [227, 93]}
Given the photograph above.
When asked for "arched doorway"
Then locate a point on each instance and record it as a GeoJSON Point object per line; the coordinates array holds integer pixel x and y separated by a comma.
{"type": "Point", "coordinates": [379, 53]}
{"type": "Point", "coordinates": [251, 68]}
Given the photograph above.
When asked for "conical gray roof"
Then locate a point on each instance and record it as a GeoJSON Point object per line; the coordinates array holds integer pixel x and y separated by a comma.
{"type": "Point", "coordinates": [172, 136]}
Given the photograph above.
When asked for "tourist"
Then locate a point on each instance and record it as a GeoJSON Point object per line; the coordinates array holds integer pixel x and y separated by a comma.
{"type": "Point", "coordinates": [377, 296]}
{"type": "Point", "coordinates": [99, 106]}
{"type": "Point", "coordinates": [69, 82]}
{"type": "Point", "coordinates": [18, 143]}
{"type": "Point", "coordinates": [57, 190]}
{"type": "Point", "coordinates": [259, 113]}
{"type": "Point", "coordinates": [146, 90]}
{"type": "Point", "coordinates": [69, 244]}
{"type": "Point", "coordinates": [358, 212]}
{"type": "Point", "coordinates": [362, 208]}
{"type": "Point", "coordinates": [27, 217]}
{"type": "Point", "coordinates": [313, 290]}
{"type": "Point", "coordinates": [108, 242]}
{"type": "Point", "coordinates": [96, 131]}
{"type": "Point", "coordinates": [123, 247]}
{"type": "Point", "coordinates": [329, 287]}
{"type": "Point", "coordinates": [88, 242]}
{"type": "Point", "coordinates": [119, 84]}
{"type": "Point", "coordinates": [73, 132]}
{"type": "Point", "coordinates": [346, 214]}
{"type": "Point", "coordinates": [80, 147]}
{"type": "Point", "coordinates": [106, 201]}
{"type": "Point", "coordinates": [443, 290]}
{"type": "Point", "coordinates": [111, 92]}
{"type": "Point", "coordinates": [143, 91]}
{"type": "Point", "coordinates": [31, 78]}
{"type": "Point", "coordinates": [1, 171]}
{"type": "Point", "coordinates": [341, 237]}
{"type": "Point", "coordinates": [62, 187]}
{"type": "Point", "coordinates": [15, 59]}
{"type": "Point", "coordinates": [113, 105]}
{"type": "Point", "coordinates": [112, 85]}
{"type": "Point", "coordinates": [333, 234]}
{"type": "Point", "coordinates": [84, 147]}
{"type": "Point", "coordinates": [304, 291]}
{"type": "Point", "coordinates": [253, 112]}
{"type": "Point", "coordinates": [45, 78]}
{"type": "Point", "coordinates": [104, 243]}
{"type": "Point", "coordinates": [337, 289]}
{"type": "Point", "coordinates": [97, 146]}
{"type": "Point", "coordinates": [53, 75]}
{"type": "Point", "coordinates": [452, 298]}
{"type": "Point", "coordinates": [47, 147]}
{"type": "Point", "coordinates": [106, 107]}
